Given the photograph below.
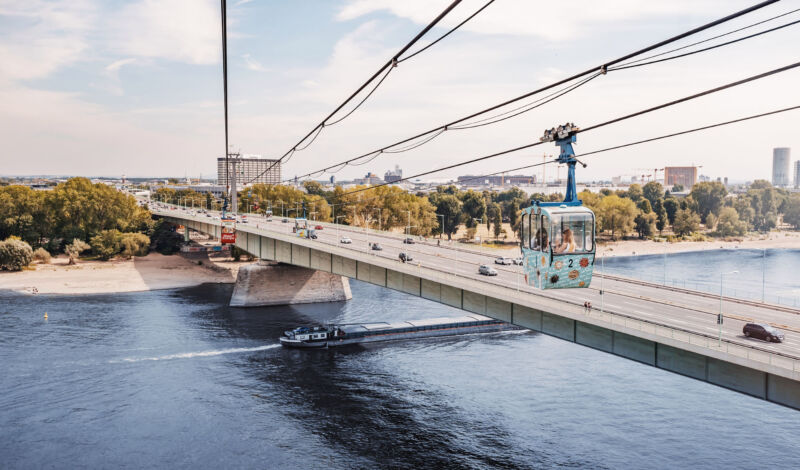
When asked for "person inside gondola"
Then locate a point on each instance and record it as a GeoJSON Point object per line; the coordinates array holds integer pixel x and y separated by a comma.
{"type": "Point", "coordinates": [540, 241]}
{"type": "Point", "coordinates": [567, 242]}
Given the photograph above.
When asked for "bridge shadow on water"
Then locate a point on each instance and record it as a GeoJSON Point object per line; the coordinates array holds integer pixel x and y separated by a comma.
{"type": "Point", "coordinates": [369, 414]}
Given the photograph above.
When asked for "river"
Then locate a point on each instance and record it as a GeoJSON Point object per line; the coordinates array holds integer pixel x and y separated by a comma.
{"type": "Point", "coordinates": [176, 379]}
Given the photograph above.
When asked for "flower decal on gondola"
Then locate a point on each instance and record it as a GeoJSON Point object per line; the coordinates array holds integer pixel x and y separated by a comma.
{"type": "Point", "coordinates": [584, 262]}
{"type": "Point", "coordinates": [554, 279]}
{"type": "Point", "coordinates": [574, 274]}
{"type": "Point", "coordinates": [581, 284]}
{"type": "Point", "coordinates": [558, 265]}
{"type": "Point", "coordinates": [544, 260]}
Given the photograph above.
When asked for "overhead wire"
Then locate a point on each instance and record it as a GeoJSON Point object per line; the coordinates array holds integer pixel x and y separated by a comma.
{"type": "Point", "coordinates": [715, 46]}
{"type": "Point", "coordinates": [712, 38]}
{"type": "Point", "coordinates": [600, 125]}
{"type": "Point", "coordinates": [447, 33]}
{"type": "Point", "coordinates": [392, 62]}
{"type": "Point", "coordinates": [603, 68]}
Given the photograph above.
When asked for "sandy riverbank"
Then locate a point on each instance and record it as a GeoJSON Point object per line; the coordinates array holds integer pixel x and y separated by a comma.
{"type": "Point", "coordinates": [154, 271]}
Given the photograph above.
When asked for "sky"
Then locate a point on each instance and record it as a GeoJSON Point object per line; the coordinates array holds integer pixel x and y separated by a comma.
{"type": "Point", "coordinates": [112, 87]}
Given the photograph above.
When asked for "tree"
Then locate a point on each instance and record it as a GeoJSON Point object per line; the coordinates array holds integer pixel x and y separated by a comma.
{"type": "Point", "coordinates": [677, 188]}
{"type": "Point", "coordinates": [134, 244]}
{"type": "Point", "coordinates": [15, 254]}
{"type": "Point", "coordinates": [671, 206]}
{"type": "Point", "coordinates": [729, 224]}
{"type": "Point", "coordinates": [448, 211]}
{"type": "Point", "coordinates": [661, 215]}
{"type": "Point", "coordinates": [165, 239]}
{"type": "Point", "coordinates": [209, 201]}
{"type": "Point", "coordinates": [709, 196]}
{"type": "Point", "coordinates": [644, 223]}
{"type": "Point", "coordinates": [497, 220]}
{"type": "Point", "coordinates": [617, 214]}
{"type": "Point", "coordinates": [634, 192]}
{"type": "Point", "coordinates": [474, 207]}
{"type": "Point", "coordinates": [791, 213]}
{"type": "Point", "coordinates": [106, 243]}
{"type": "Point", "coordinates": [644, 206]}
{"type": "Point", "coordinates": [75, 248]}
{"type": "Point", "coordinates": [686, 222]}
{"type": "Point", "coordinates": [711, 221]}
{"type": "Point", "coordinates": [653, 191]}
{"type": "Point", "coordinates": [314, 187]}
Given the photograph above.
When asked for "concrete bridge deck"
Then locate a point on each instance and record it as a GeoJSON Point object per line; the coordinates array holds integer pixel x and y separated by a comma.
{"type": "Point", "coordinates": [638, 321]}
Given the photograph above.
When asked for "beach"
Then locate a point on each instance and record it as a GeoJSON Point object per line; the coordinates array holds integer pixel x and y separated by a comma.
{"type": "Point", "coordinates": [773, 240]}
{"type": "Point", "coordinates": [151, 272]}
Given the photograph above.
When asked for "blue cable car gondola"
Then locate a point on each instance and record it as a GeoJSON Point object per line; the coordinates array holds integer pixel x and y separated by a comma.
{"type": "Point", "coordinates": [558, 238]}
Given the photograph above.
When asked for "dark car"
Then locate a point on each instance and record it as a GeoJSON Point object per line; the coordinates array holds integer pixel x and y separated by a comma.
{"type": "Point", "coordinates": [409, 241]}
{"type": "Point", "coordinates": [763, 331]}
{"type": "Point", "coordinates": [405, 257]}
{"type": "Point", "coordinates": [377, 247]}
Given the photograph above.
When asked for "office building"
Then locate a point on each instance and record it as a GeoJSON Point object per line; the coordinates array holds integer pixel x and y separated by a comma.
{"type": "Point", "coordinates": [685, 176]}
{"type": "Point", "coordinates": [249, 169]}
{"type": "Point", "coordinates": [797, 174]}
{"type": "Point", "coordinates": [393, 176]}
{"type": "Point", "coordinates": [497, 180]}
{"type": "Point", "coordinates": [780, 166]}
{"type": "Point", "coordinates": [369, 179]}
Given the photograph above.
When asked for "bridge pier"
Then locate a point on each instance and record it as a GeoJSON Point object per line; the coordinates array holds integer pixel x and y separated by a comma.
{"type": "Point", "coordinates": [263, 284]}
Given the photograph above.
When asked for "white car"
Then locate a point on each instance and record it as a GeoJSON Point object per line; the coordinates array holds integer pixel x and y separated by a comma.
{"type": "Point", "coordinates": [487, 270]}
{"type": "Point", "coordinates": [503, 260]}
{"type": "Point", "coordinates": [345, 240]}
{"type": "Point", "coordinates": [520, 261]}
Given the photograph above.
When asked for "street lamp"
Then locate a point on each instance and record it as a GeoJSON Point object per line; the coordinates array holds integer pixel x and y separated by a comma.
{"type": "Point", "coordinates": [337, 224]}
{"type": "Point", "coordinates": [719, 317]}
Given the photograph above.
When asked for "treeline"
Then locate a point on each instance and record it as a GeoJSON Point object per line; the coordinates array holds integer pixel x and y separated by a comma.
{"type": "Point", "coordinates": [649, 210]}
{"type": "Point", "coordinates": [77, 213]}
{"type": "Point", "coordinates": [646, 211]}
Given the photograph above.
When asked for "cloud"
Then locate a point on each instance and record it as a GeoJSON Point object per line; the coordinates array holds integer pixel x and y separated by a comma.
{"type": "Point", "coordinates": [252, 64]}
{"type": "Point", "coordinates": [47, 36]}
{"type": "Point", "coordinates": [554, 22]}
{"type": "Point", "coordinates": [180, 30]}
{"type": "Point", "coordinates": [115, 66]}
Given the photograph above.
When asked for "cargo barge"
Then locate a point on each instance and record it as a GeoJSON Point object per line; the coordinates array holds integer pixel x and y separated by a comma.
{"type": "Point", "coordinates": [340, 335]}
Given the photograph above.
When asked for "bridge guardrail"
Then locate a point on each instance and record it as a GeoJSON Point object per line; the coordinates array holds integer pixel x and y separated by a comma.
{"type": "Point", "coordinates": [786, 362]}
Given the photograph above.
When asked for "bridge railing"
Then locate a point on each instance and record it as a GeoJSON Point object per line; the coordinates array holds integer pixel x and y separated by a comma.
{"type": "Point", "coordinates": [788, 364]}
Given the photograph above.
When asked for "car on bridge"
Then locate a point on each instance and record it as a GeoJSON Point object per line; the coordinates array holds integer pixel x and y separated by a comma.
{"type": "Point", "coordinates": [519, 261]}
{"type": "Point", "coordinates": [503, 260]}
{"type": "Point", "coordinates": [377, 247]}
{"type": "Point", "coordinates": [405, 257]}
{"type": "Point", "coordinates": [318, 227]}
{"type": "Point", "coordinates": [487, 270]}
{"type": "Point", "coordinates": [408, 241]}
{"type": "Point", "coordinates": [345, 240]}
{"type": "Point", "coordinates": [763, 332]}
{"type": "Point", "coordinates": [285, 220]}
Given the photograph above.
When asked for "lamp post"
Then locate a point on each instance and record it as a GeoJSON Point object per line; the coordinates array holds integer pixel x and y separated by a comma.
{"type": "Point", "coordinates": [337, 225]}
{"type": "Point", "coordinates": [720, 317]}
{"type": "Point", "coordinates": [763, 275]}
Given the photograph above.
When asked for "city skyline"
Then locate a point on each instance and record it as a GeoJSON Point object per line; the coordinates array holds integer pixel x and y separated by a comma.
{"type": "Point", "coordinates": [149, 95]}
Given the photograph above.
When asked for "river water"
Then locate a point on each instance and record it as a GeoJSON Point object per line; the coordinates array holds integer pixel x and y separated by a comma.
{"type": "Point", "coordinates": [176, 379]}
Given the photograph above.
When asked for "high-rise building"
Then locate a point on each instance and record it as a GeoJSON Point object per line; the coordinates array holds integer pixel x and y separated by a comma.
{"type": "Point", "coordinates": [393, 176]}
{"type": "Point", "coordinates": [797, 174]}
{"type": "Point", "coordinates": [780, 166]}
{"type": "Point", "coordinates": [685, 176]}
{"type": "Point", "coordinates": [249, 169]}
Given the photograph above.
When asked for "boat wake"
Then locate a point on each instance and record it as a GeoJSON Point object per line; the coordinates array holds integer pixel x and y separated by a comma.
{"type": "Point", "coordinates": [190, 355]}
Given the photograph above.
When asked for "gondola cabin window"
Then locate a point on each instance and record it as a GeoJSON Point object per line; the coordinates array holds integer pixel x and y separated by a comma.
{"type": "Point", "coordinates": [572, 232]}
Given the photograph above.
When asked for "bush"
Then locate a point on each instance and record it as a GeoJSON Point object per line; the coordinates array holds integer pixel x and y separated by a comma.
{"type": "Point", "coordinates": [165, 240]}
{"type": "Point", "coordinates": [15, 255]}
{"type": "Point", "coordinates": [75, 248]}
{"type": "Point", "coordinates": [134, 244]}
{"type": "Point", "coordinates": [41, 255]}
{"type": "Point", "coordinates": [106, 244]}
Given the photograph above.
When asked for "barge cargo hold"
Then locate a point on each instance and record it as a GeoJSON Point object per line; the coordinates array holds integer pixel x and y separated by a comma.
{"type": "Point", "coordinates": [340, 335]}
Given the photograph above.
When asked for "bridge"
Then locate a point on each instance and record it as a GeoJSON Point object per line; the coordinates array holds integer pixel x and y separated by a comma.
{"type": "Point", "coordinates": [669, 328]}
